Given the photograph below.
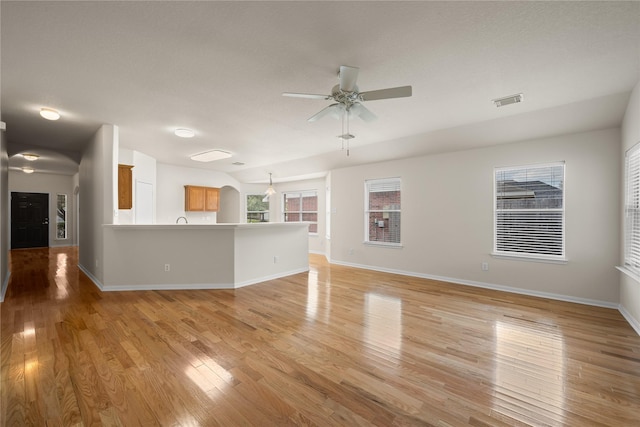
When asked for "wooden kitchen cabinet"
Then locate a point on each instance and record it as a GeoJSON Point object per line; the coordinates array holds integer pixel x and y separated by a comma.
{"type": "Point", "coordinates": [203, 199]}
{"type": "Point", "coordinates": [125, 187]}
{"type": "Point", "coordinates": [211, 199]}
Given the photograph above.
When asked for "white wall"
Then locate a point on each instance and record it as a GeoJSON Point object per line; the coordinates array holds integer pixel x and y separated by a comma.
{"type": "Point", "coordinates": [53, 184]}
{"type": "Point", "coordinates": [229, 211]}
{"type": "Point", "coordinates": [317, 242]}
{"type": "Point", "coordinates": [447, 217]}
{"type": "Point", "coordinates": [630, 288]}
{"type": "Point", "coordinates": [98, 197]}
{"type": "Point", "coordinates": [201, 256]}
{"type": "Point", "coordinates": [4, 216]}
{"type": "Point", "coordinates": [170, 192]}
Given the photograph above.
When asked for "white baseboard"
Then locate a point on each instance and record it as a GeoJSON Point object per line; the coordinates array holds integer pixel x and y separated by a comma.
{"type": "Point", "coordinates": [629, 318]}
{"type": "Point", "coordinates": [91, 277]}
{"type": "Point", "coordinates": [484, 285]}
{"type": "Point", "coordinates": [5, 286]}
{"type": "Point", "coordinates": [166, 287]}
{"type": "Point", "coordinates": [271, 277]}
{"type": "Point", "coordinates": [190, 286]}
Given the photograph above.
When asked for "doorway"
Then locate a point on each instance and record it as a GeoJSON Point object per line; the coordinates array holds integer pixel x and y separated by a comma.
{"type": "Point", "coordinates": [29, 220]}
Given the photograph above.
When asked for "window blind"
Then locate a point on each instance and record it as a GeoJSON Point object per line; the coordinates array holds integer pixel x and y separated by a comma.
{"type": "Point", "coordinates": [382, 210]}
{"type": "Point", "coordinates": [632, 209]}
{"type": "Point", "coordinates": [529, 211]}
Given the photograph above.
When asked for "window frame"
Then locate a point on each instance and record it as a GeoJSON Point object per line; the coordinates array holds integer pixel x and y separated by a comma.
{"type": "Point", "coordinates": [62, 219]}
{"type": "Point", "coordinates": [631, 226]}
{"type": "Point", "coordinates": [367, 211]}
{"type": "Point", "coordinates": [247, 211]}
{"type": "Point", "coordinates": [531, 256]}
{"type": "Point", "coordinates": [301, 212]}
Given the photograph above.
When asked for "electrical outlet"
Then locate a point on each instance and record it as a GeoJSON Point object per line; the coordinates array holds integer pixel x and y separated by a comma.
{"type": "Point", "coordinates": [351, 251]}
{"type": "Point", "coordinates": [485, 266]}
{"type": "Point", "coordinates": [275, 259]}
{"type": "Point", "coordinates": [167, 267]}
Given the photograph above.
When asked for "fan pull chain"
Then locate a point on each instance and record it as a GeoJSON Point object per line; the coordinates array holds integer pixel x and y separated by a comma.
{"type": "Point", "coordinates": [342, 138]}
{"type": "Point", "coordinates": [347, 113]}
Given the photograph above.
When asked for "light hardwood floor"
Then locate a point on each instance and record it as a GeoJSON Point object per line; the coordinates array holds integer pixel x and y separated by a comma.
{"type": "Point", "coordinates": [336, 346]}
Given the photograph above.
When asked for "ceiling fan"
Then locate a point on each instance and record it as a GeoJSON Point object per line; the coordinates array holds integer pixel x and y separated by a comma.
{"type": "Point", "coordinates": [349, 98]}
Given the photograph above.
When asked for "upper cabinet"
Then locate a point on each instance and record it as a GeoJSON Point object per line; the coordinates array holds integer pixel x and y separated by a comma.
{"type": "Point", "coordinates": [125, 187]}
{"type": "Point", "coordinates": [197, 198]}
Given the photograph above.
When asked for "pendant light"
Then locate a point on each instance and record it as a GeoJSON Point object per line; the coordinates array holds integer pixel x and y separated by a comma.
{"type": "Point", "coordinates": [270, 190]}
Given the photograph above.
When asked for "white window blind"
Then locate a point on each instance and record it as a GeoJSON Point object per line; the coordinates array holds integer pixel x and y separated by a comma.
{"type": "Point", "coordinates": [632, 209]}
{"type": "Point", "coordinates": [529, 211]}
{"type": "Point", "coordinates": [382, 211]}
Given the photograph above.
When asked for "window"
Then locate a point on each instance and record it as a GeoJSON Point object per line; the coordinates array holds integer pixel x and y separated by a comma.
{"type": "Point", "coordinates": [257, 208]}
{"type": "Point", "coordinates": [529, 211]}
{"type": "Point", "coordinates": [382, 211]}
{"type": "Point", "coordinates": [61, 217]}
{"type": "Point", "coordinates": [301, 206]}
{"type": "Point", "coordinates": [632, 209]}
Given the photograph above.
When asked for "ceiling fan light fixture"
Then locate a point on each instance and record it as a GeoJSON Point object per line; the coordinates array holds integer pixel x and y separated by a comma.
{"type": "Point", "coordinates": [184, 133]}
{"type": "Point", "coordinates": [508, 100]}
{"type": "Point", "coordinates": [211, 156]}
{"type": "Point", "coordinates": [49, 113]}
{"type": "Point", "coordinates": [30, 157]}
{"type": "Point", "coordinates": [27, 169]}
{"type": "Point", "coordinates": [346, 136]}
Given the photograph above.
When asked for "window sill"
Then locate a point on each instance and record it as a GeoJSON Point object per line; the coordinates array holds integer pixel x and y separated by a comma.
{"type": "Point", "coordinates": [529, 258]}
{"type": "Point", "coordinates": [384, 245]}
{"type": "Point", "coordinates": [629, 273]}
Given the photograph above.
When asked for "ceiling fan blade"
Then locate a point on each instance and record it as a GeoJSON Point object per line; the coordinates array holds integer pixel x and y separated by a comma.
{"type": "Point", "coordinates": [327, 110]}
{"type": "Point", "coordinates": [363, 112]}
{"type": "Point", "coordinates": [394, 92]}
{"type": "Point", "coordinates": [348, 77]}
{"type": "Point", "coordinates": [306, 95]}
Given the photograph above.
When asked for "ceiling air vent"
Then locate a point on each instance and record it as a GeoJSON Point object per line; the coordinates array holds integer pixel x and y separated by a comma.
{"type": "Point", "coordinates": [512, 99]}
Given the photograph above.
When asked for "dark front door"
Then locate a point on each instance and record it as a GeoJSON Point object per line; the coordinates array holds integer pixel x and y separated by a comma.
{"type": "Point", "coordinates": [29, 220]}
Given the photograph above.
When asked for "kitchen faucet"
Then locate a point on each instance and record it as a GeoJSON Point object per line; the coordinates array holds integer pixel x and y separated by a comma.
{"type": "Point", "coordinates": [185, 220]}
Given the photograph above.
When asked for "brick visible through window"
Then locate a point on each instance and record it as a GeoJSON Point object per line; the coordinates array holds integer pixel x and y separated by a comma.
{"type": "Point", "coordinates": [301, 206]}
{"type": "Point", "coordinates": [382, 211]}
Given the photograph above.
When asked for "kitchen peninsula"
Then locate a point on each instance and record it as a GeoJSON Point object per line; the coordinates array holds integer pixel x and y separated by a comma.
{"type": "Point", "coordinates": [201, 256]}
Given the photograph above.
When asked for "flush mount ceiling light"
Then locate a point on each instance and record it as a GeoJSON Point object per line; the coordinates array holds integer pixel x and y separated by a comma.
{"type": "Point", "coordinates": [184, 133]}
{"type": "Point", "coordinates": [30, 157]}
{"type": "Point", "coordinates": [210, 156]}
{"type": "Point", "coordinates": [27, 169]}
{"type": "Point", "coordinates": [49, 113]}
{"type": "Point", "coordinates": [508, 100]}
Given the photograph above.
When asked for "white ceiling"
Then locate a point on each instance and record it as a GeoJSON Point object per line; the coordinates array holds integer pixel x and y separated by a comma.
{"type": "Point", "coordinates": [220, 68]}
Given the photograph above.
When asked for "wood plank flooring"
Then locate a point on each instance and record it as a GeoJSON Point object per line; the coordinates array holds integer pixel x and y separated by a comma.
{"type": "Point", "coordinates": [335, 346]}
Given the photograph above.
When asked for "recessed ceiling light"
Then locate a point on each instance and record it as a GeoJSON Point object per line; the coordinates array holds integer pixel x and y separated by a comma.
{"type": "Point", "coordinates": [184, 133]}
{"type": "Point", "coordinates": [238, 163]}
{"type": "Point", "coordinates": [507, 100]}
{"type": "Point", "coordinates": [27, 169]}
{"type": "Point", "coordinates": [30, 157]}
{"type": "Point", "coordinates": [210, 156]}
{"type": "Point", "coordinates": [49, 113]}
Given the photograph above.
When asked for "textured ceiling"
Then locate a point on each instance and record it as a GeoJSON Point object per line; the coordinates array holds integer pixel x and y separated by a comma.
{"type": "Point", "coordinates": [220, 68]}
